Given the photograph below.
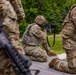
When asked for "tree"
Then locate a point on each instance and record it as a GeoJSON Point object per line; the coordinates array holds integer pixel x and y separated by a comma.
{"type": "Point", "coordinates": [54, 11]}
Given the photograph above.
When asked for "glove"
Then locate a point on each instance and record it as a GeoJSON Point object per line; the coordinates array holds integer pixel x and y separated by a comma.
{"type": "Point", "coordinates": [51, 53]}
{"type": "Point", "coordinates": [21, 19]}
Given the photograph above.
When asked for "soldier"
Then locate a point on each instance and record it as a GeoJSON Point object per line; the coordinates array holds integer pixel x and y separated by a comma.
{"type": "Point", "coordinates": [33, 37]}
{"type": "Point", "coordinates": [68, 34]}
{"type": "Point", "coordinates": [11, 11]}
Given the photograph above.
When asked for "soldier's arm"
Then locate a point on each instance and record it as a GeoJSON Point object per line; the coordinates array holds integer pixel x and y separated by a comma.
{"type": "Point", "coordinates": [73, 15]}
{"type": "Point", "coordinates": [18, 8]}
{"type": "Point", "coordinates": [42, 36]}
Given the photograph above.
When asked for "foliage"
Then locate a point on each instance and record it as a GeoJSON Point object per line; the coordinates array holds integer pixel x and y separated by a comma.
{"type": "Point", "coordinates": [54, 11]}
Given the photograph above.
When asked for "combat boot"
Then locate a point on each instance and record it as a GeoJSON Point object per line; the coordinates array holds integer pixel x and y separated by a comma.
{"type": "Point", "coordinates": [52, 53]}
{"type": "Point", "coordinates": [52, 63]}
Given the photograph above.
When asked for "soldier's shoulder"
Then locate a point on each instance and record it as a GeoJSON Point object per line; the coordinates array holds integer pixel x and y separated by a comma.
{"type": "Point", "coordinates": [34, 25]}
{"type": "Point", "coordinates": [73, 8]}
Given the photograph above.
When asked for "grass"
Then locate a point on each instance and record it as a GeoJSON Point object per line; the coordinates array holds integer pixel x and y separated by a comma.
{"type": "Point", "coordinates": [58, 44]}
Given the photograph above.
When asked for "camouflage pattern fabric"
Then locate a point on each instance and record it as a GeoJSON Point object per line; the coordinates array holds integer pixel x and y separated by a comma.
{"type": "Point", "coordinates": [36, 53]}
{"type": "Point", "coordinates": [11, 11]}
{"type": "Point", "coordinates": [18, 8]}
{"type": "Point", "coordinates": [5, 64]}
{"type": "Point", "coordinates": [33, 37]}
{"type": "Point", "coordinates": [69, 43]}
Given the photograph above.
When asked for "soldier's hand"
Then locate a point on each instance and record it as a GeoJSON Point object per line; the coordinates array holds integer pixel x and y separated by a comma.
{"type": "Point", "coordinates": [51, 53]}
{"type": "Point", "coordinates": [21, 19]}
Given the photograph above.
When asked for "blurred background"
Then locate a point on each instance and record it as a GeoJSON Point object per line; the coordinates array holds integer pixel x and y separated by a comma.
{"type": "Point", "coordinates": [53, 10]}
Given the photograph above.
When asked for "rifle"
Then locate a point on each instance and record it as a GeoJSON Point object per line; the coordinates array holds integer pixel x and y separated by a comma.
{"type": "Point", "coordinates": [20, 62]}
{"type": "Point", "coordinates": [48, 28]}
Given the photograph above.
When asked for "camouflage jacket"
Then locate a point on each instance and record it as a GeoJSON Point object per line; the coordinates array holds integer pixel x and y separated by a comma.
{"type": "Point", "coordinates": [11, 11]}
{"type": "Point", "coordinates": [71, 16]}
{"type": "Point", "coordinates": [34, 35]}
{"type": "Point", "coordinates": [12, 8]}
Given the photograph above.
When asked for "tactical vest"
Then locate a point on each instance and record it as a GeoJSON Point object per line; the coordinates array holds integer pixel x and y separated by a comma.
{"type": "Point", "coordinates": [29, 38]}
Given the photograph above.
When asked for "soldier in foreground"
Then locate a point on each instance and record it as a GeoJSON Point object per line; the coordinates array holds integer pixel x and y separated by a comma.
{"type": "Point", "coordinates": [33, 37]}
{"type": "Point", "coordinates": [11, 11]}
{"type": "Point", "coordinates": [68, 34]}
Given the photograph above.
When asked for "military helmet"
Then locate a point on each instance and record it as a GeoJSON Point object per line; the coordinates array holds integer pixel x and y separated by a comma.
{"type": "Point", "coordinates": [40, 19]}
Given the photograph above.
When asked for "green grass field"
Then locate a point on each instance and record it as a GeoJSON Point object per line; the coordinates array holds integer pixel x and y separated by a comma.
{"type": "Point", "coordinates": [58, 44]}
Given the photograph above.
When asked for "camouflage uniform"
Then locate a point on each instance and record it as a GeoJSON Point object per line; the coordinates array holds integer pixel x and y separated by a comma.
{"type": "Point", "coordinates": [33, 37]}
{"type": "Point", "coordinates": [11, 11]}
{"type": "Point", "coordinates": [69, 43]}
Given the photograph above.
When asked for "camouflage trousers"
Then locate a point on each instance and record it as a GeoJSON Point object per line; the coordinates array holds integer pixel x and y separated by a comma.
{"type": "Point", "coordinates": [11, 29]}
{"type": "Point", "coordinates": [36, 53]}
{"type": "Point", "coordinates": [69, 65]}
{"type": "Point", "coordinates": [5, 63]}
{"type": "Point", "coordinates": [70, 50]}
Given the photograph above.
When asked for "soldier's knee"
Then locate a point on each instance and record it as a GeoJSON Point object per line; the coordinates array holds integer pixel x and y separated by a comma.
{"type": "Point", "coordinates": [71, 66]}
{"type": "Point", "coordinates": [45, 58]}
{"type": "Point", "coordinates": [41, 58]}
